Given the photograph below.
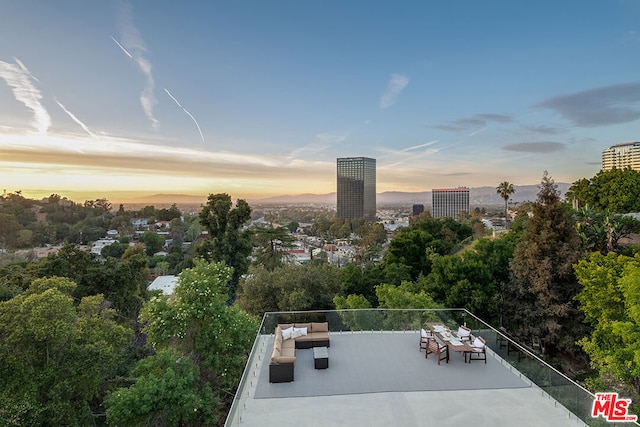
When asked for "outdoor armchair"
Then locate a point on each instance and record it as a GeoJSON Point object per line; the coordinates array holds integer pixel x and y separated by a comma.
{"type": "Point", "coordinates": [440, 350]}
{"type": "Point", "coordinates": [424, 336]}
{"type": "Point", "coordinates": [464, 333]}
{"type": "Point", "coordinates": [478, 350]}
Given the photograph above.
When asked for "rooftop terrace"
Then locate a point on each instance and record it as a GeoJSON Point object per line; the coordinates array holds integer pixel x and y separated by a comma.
{"type": "Point", "coordinates": [377, 376]}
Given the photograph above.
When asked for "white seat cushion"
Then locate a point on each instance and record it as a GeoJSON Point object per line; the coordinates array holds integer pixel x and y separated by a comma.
{"type": "Point", "coordinates": [462, 332]}
{"type": "Point", "coordinates": [478, 344]}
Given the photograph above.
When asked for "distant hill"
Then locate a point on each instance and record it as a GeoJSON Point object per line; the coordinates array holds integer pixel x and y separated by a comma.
{"type": "Point", "coordinates": [477, 196]}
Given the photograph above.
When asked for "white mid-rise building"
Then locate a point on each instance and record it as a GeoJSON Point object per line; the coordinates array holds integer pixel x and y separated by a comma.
{"type": "Point", "coordinates": [449, 201]}
{"type": "Point", "coordinates": [622, 156]}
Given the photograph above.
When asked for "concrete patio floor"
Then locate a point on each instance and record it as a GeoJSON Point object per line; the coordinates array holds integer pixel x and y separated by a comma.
{"type": "Point", "coordinates": [382, 379]}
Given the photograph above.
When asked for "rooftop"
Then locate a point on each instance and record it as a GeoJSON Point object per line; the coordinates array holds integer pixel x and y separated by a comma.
{"type": "Point", "coordinates": [381, 378]}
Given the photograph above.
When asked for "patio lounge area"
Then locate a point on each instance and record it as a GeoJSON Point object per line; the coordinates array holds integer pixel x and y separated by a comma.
{"type": "Point", "coordinates": [382, 378]}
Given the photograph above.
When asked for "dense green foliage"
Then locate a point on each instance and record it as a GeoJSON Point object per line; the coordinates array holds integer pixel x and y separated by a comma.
{"type": "Point", "coordinates": [412, 246]}
{"type": "Point", "coordinates": [166, 391]}
{"type": "Point", "coordinates": [195, 323]}
{"type": "Point", "coordinates": [227, 241]}
{"type": "Point", "coordinates": [54, 355]}
{"type": "Point", "coordinates": [615, 191]}
{"type": "Point", "coordinates": [540, 295]}
{"type": "Point", "coordinates": [310, 286]}
{"type": "Point", "coordinates": [610, 301]}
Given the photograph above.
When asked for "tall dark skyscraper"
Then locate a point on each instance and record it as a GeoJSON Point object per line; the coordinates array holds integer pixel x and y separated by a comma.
{"type": "Point", "coordinates": [356, 188]}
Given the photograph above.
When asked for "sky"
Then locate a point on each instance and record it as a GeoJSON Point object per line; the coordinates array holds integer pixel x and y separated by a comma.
{"type": "Point", "coordinates": [258, 98]}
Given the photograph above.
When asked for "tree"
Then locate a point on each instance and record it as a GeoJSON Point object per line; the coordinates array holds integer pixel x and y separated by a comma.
{"type": "Point", "coordinates": [614, 190]}
{"type": "Point", "coordinates": [167, 390]}
{"type": "Point", "coordinates": [198, 323]}
{"type": "Point", "coordinates": [271, 246]}
{"type": "Point", "coordinates": [114, 250]}
{"type": "Point", "coordinates": [257, 292]}
{"type": "Point", "coordinates": [227, 242]}
{"type": "Point", "coordinates": [372, 233]}
{"type": "Point", "coordinates": [361, 319]}
{"type": "Point", "coordinates": [610, 301]}
{"type": "Point", "coordinates": [540, 297]}
{"type": "Point", "coordinates": [463, 281]}
{"type": "Point", "coordinates": [406, 296]}
{"type": "Point", "coordinates": [505, 190]}
{"type": "Point", "coordinates": [290, 287]}
{"type": "Point", "coordinates": [55, 358]}
{"type": "Point", "coordinates": [9, 227]}
{"type": "Point", "coordinates": [412, 246]}
{"type": "Point", "coordinates": [153, 242]}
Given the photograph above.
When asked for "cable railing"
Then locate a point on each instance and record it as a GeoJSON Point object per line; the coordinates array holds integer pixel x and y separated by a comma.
{"type": "Point", "coordinates": [520, 358]}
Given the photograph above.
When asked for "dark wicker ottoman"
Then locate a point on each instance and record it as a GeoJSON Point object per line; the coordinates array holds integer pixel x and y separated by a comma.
{"type": "Point", "coordinates": [321, 357]}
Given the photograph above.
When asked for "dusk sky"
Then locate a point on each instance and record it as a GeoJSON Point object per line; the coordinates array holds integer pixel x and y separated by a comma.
{"type": "Point", "coordinates": [258, 98]}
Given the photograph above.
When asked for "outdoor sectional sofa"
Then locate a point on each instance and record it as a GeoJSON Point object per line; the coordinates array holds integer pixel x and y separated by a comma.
{"type": "Point", "coordinates": [288, 338]}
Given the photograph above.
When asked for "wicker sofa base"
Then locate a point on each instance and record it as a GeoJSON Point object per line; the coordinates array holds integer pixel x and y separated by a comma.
{"type": "Point", "coordinates": [281, 372]}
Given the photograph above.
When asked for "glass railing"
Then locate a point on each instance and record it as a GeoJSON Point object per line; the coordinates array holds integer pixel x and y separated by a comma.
{"type": "Point", "coordinates": [555, 385]}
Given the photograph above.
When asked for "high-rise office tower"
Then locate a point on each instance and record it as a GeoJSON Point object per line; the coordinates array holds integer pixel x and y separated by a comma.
{"type": "Point", "coordinates": [449, 201]}
{"type": "Point", "coordinates": [621, 156]}
{"type": "Point", "coordinates": [356, 188]}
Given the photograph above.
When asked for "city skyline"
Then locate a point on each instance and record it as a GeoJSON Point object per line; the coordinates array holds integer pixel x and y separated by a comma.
{"type": "Point", "coordinates": [121, 99]}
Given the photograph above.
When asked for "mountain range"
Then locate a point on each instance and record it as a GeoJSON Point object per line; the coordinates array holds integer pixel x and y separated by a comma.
{"type": "Point", "coordinates": [478, 196]}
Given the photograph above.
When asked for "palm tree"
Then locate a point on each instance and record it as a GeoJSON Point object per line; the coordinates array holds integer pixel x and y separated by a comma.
{"type": "Point", "coordinates": [505, 189]}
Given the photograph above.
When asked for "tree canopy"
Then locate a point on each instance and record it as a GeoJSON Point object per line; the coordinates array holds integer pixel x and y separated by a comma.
{"type": "Point", "coordinates": [411, 246]}
{"type": "Point", "coordinates": [610, 301]}
{"type": "Point", "coordinates": [55, 356]}
{"type": "Point", "coordinates": [227, 242]}
{"type": "Point", "coordinates": [539, 300]}
{"type": "Point", "coordinates": [195, 323]}
{"type": "Point", "coordinates": [615, 190]}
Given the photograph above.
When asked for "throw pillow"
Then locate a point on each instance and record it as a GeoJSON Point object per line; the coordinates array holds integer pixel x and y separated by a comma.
{"type": "Point", "coordinates": [286, 334]}
{"type": "Point", "coordinates": [296, 333]}
{"type": "Point", "coordinates": [303, 331]}
{"type": "Point", "coordinates": [478, 343]}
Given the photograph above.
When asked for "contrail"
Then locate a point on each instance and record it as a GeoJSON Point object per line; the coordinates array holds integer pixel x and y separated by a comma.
{"type": "Point", "coordinates": [122, 47]}
{"type": "Point", "coordinates": [25, 69]}
{"type": "Point", "coordinates": [188, 113]}
{"type": "Point", "coordinates": [75, 119]}
{"type": "Point", "coordinates": [415, 147]}
{"type": "Point", "coordinates": [133, 46]}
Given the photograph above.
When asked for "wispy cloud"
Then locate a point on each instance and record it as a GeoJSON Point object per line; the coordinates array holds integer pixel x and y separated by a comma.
{"type": "Point", "coordinates": [545, 130]}
{"type": "Point", "coordinates": [500, 118]}
{"type": "Point", "coordinates": [598, 107]}
{"type": "Point", "coordinates": [396, 85]}
{"type": "Point", "coordinates": [332, 138]}
{"type": "Point", "coordinates": [417, 147]}
{"type": "Point", "coordinates": [20, 79]}
{"type": "Point", "coordinates": [322, 142]}
{"type": "Point", "coordinates": [133, 45]}
{"type": "Point", "coordinates": [474, 123]}
{"type": "Point", "coordinates": [188, 113]}
{"type": "Point", "coordinates": [75, 119]}
{"type": "Point", "coordinates": [536, 147]}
